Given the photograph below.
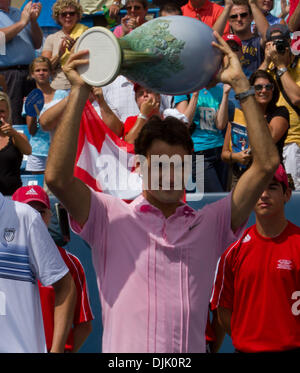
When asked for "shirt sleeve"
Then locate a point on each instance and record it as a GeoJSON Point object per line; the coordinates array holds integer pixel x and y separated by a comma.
{"type": "Point", "coordinates": [83, 311]}
{"type": "Point", "coordinates": [45, 259]}
{"type": "Point", "coordinates": [226, 236]}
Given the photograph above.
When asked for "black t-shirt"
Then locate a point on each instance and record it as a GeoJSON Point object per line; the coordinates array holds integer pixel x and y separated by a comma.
{"type": "Point", "coordinates": [279, 111]}
{"type": "Point", "coordinates": [10, 163]}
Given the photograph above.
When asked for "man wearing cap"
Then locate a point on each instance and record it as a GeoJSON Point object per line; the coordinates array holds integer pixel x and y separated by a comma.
{"type": "Point", "coordinates": [28, 254]}
{"type": "Point", "coordinates": [37, 198]}
{"type": "Point", "coordinates": [285, 66]}
{"type": "Point", "coordinates": [258, 278]}
{"type": "Point", "coordinates": [240, 17]}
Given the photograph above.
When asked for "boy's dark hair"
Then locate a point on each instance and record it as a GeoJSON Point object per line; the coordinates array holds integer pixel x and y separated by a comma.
{"type": "Point", "coordinates": [171, 8]}
{"type": "Point", "coordinates": [170, 130]}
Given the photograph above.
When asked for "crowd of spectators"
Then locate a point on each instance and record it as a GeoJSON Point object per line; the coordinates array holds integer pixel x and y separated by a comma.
{"type": "Point", "coordinates": [263, 41]}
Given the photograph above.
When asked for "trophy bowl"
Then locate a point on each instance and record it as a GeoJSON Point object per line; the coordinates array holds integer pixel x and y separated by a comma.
{"type": "Point", "coordinates": [171, 55]}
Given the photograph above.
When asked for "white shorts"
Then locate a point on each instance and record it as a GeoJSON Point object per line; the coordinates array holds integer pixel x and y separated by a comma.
{"type": "Point", "coordinates": [291, 160]}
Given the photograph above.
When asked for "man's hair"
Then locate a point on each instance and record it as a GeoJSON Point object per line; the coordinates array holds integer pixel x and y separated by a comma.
{"type": "Point", "coordinates": [5, 98]}
{"type": "Point", "coordinates": [171, 8]}
{"type": "Point", "coordinates": [243, 2]}
{"type": "Point", "coordinates": [59, 5]}
{"type": "Point", "coordinates": [265, 75]}
{"type": "Point", "coordinates": [143, 2]}
{"type": "Point", "coordinates": [170, 130]}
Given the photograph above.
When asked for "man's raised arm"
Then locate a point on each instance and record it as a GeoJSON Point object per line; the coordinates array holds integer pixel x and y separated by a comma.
{"type": "Point", "coordinates": [265, 155]}
{"type": "Point", "coordinates": [72, 192]}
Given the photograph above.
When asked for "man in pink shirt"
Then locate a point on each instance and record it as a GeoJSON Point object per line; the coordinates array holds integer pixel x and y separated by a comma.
{"type": "Point", "coordinates": [155, 258]}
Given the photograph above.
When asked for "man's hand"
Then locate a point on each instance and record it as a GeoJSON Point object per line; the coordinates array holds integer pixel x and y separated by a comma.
{"type": "Point", "coordinates": [6, 129]}
{"type": "Point", "coordinates": [244, 157]}
{"type": "Point", "coordinates": [279, 60]}
{"type": "Point", "coordinates": [231, 70]}
{"type": "Point", "coordinates": [150, 106]}
{"type": "Point", "coordinates": [35, 11]}
{"type": "Point", "coordinates": [26, 13]}
{"type": "Point", "coordinates": [114, 10]}
{"type": "Point", "coordinates": [75, 60]}
{"type": "Point", "coordinates": [129, 23]}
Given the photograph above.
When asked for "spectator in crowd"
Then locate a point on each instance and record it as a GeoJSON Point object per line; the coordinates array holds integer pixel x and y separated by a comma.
{"type": "Point", "coordinates": [57, 46]}
{"type": "Point", "coordinates": [170, 9]}
{"type": "Point", "coordinates": [40, 71]}
{"type": "Point", "coordinates": [282, 63]}
{"type": "Point", "coordinates": [241, 15]}
{"type": "Point", "coordinates": [258, 278]}
{"type": "Point", "coordinates": [12, 147]}
{"type": "Point", "coordinates": [212, 108]}
{"type": "Point", "coordinates": [155, 230]}
{"type": "Point", "coordinates": [28, 254]}
{"type": "Point", "coordinates": [22, 36]}
{"type": "Point", "coordinates": [277, 117]}
{"type": "Point", "coordinates": [204, 10]}
{"type": "Point", "coordinates": [136, 13]}
{"type": "Point", "coordinates": [266, 7]}
{"type": "Point", "coordinates": [81, 327]}
{"type": "Point", "coordinates": [148, 103]}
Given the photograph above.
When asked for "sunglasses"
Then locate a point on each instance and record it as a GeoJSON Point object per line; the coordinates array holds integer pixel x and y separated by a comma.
{"type": "Point", "coordinates": [259, 87]}
{"type": "Point", "coordinates": [65, 14]}
{"type": "Point", "coordinates": [235, 16]}
{"type": "Point", "coordinates": [134, 7]}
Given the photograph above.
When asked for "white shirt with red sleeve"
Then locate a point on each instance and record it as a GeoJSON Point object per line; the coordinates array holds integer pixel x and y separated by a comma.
{"type": "Point", "coordinates": [83, 312]}
{"type": "Point", "coordinates": [256, 280]}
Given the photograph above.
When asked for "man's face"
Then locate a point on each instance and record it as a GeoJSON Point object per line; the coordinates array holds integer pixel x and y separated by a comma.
{"type": "Point", "coordinates": [164, 171]}
{"type": "Point", "coordinates": [136, 9]}
{"type": "Point", "coordinates": [240, 19]}
{"type": "Point", "coordinates": [271, 202]}
{"type": "Point", "coordinates": [43, 210]}
{"type": "Point", "coordinates": [144, 94]}
{"type": "Point", "coordinates": [265, 5]}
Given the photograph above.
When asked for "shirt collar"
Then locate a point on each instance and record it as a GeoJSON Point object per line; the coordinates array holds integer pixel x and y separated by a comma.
{"type": "Point", "coordinates": [141, 205]}
{"type": "Point", "coordinates": [204, 6]}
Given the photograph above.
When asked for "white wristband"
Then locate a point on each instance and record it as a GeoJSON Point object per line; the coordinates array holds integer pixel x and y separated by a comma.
{"type": "Point", "coordinates": [142, 116]}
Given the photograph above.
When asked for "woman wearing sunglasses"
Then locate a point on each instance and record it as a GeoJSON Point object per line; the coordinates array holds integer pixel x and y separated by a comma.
{"type": "Point", "coordinates": [67, 13]}
{"type": "Point", "coordinates": [236, 149]}
{"type": "Point", "coordinates": [136, 13]}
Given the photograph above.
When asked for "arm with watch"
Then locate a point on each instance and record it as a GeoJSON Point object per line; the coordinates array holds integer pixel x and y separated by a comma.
{"type": "Point", "coordinates": [148, 108]}
{"type": "Point", "coordinates": [265, 155]}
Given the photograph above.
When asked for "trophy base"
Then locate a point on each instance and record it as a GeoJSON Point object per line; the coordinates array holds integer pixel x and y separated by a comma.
{"type": "Point", "coordinates": [105, 56]}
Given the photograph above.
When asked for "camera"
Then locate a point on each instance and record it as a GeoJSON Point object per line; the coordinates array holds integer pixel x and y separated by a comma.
{"type": "Point", "coordinates": [281, 45]}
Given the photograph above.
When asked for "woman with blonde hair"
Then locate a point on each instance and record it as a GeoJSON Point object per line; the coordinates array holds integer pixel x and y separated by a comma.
{"type": "Point", "coordinates": [12, 147]}
{"type": "Point", "coordinates": [67, 13]}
